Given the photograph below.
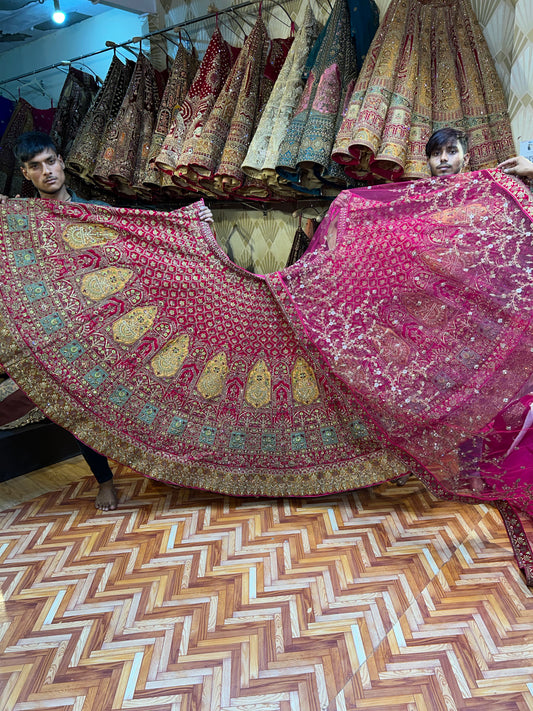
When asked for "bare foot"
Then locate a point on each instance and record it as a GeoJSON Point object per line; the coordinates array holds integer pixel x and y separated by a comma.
{"type": "Point", "coordinates": [107, 496]}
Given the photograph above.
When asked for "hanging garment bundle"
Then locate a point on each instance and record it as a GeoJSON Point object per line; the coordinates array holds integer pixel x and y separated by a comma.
{"type": "Point", "coordinates": [428, 67]}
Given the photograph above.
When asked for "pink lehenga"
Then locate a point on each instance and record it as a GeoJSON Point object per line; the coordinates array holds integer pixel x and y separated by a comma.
{"type": "Point", "coordinates": [400, 343]}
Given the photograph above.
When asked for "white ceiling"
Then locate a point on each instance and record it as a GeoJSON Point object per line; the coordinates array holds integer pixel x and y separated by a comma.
{"type": "Point", "coordinates": [22, 21]}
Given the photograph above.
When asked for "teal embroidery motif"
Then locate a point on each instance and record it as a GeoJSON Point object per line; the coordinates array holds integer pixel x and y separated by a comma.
{"type": "Point", "coordinates": [268, 442]}
{"type": "Point", "coordinates": [35, 291]}
{"type": "Point", "coordinates": [298, 441]}
{"type": "Point", "coordinates": [120, 396]}
{"type": "Point", "coordinates": [96, 376]}
{"type": "Point", "coordinates": [17, 223]}
{"type": "Point", "coordinates": [236, 440]}
{"type": "Point", "coordinates": [148, 413]}
{"type": "Point", "coordinates": [72, 351]}
{"type": "Point", "coordinates": [51, 323]}
{"type": "Point", "coordinates": [24, 257]}
{"type": "Point", "coordinates": [359, 430]}
{"type": "Point", "coordinates": [177, 426]}
{"type": "Point", "coordinates": [207, 435]}
{"type": "Point", "coordinates": [329, 436]}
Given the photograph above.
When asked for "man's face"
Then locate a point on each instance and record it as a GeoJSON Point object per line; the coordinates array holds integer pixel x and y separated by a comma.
{"type": "Point", "coordinates": [448, 160]}
{"type": "Point", "coordinates": [46, 172]}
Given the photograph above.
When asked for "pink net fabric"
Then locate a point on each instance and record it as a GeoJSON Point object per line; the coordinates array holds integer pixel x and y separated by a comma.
{"type": "Point", "coordinates": [418, 296]}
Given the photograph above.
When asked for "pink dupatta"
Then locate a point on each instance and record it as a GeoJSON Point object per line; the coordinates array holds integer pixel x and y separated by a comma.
{"type": "Point", "coordinates": [418, 297]}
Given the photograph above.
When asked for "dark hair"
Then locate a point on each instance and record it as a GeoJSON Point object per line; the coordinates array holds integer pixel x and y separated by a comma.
{"type": "Point", "coordinates": [444, 137]}
{"type": "Point", "coordinates": [29, 144]}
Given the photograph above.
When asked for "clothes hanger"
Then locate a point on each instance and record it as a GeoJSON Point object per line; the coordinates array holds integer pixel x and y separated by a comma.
{"type": "Point", "coordinates": [278, 4]}
{"type": "Point", "coordinates": [230, 28]}
{"type": "Point", "coordinates": [233, 15]}
{"type": "Point", "coordinates": [36, 85]}
{"type": "Point", "coordinates": [116, 47]}
{"type": "Point", "coordinates": [68, 63]}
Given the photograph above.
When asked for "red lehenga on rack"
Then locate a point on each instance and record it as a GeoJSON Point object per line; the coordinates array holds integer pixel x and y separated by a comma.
{"type": "Point", "coordinates": [401, 343]}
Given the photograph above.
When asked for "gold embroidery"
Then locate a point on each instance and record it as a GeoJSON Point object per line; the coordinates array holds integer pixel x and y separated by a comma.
{"type": "Point", "coordinates": [257, 391]}
{"type": "Point", "coordinates": [98, 285]}
{"type": "Point", "coordinates": [304, 385]}
{"type": "Point", "coordinates": [81, 236]}
{"type": "Point", "coordinates": [130, 327]}
{"type": "Point", "coordinates": [170, 359]}
{"type": "Point", "coordinates": [211, 382]}
{"type": "Point", "coordinates": [464, 214]}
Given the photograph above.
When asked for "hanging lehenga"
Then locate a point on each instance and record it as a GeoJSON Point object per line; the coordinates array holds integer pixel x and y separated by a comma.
{"type": "Point", "coordinates": [183, 71]}
{"type": "Point", "coordinates": [262, 155]}
{"type": "Point", "coordinates": [219, 148]}
{"type": "Point", "coordinates": [305, 154]}
{"type": "Point", "coordinates": [124, 151]}
{"type": "Point", "coordinates": [428, 67]}
{"type": "Point", "coordinates": [93, 130]}
{"type": "Point", "coordinates": [178, 146]}
{"type": "Point", "coordinates": [77, 95]}
{"type": "Point", "coordinates": [401, 342]}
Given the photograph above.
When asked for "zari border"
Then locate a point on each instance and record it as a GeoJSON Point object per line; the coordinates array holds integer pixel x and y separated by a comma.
{"type": "Point", "coordinates": [521, 547]}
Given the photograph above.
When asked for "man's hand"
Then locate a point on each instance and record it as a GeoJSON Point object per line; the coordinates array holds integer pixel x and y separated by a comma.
{"type": "Point", "coordinates": [520, 166]}
{"type": "Point", "coordinates": [205, 214]}
{"type": "Point", "coordinates": [5, 198]}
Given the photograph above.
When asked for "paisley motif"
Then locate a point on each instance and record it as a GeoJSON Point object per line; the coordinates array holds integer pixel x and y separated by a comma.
{"type": "Point", "coordinates": [304, 385]}
{"type": "Point", "coordinates": [170, 359]}
{"type": "Point", "coordinates": [81, 235]}
{"type": "Point", "coordinates": [258, 386]}
{"type": "Point", "coordinates": [101, 284]}
{"type": "Point", "coordinates": [130, 327]}
{"type": "Point", "coordinates": [211, 382]}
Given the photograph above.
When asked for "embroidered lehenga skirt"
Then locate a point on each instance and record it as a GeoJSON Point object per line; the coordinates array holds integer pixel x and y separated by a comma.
{"type": "Point", "coordinates": [428, 67]}
{"type": "Point", "coordinates": [93, 130]}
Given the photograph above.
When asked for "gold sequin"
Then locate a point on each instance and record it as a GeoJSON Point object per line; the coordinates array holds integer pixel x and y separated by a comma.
{"type": "Point", "coordinates": [211, 382]}
{"type": "Point", "coordinates": [170, 359]}
{"type": "Point", "coordinates": [130, 327]}
{"type": "Point", "coordinates": [258, 385]}
{"type": "Point", "coordinates": [81, 236]}
{"type": "Point", "coordinates": [98, 285]}
{"type": "Point", "coordinates": [304, 385]}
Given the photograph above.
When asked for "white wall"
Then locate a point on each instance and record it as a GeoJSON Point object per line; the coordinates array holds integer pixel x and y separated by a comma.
{"type": "Point", "coordinates": [82, 38]}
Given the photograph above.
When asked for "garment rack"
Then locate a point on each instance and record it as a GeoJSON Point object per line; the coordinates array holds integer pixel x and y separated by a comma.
{"type": "Point", "coordinates": [185, 23]}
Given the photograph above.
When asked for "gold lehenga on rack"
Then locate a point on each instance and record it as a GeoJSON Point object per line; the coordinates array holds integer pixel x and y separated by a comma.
{"type": "Point", "coordinates": [262, 156]}
{"type": "Point", "coordinates": [428, 67]}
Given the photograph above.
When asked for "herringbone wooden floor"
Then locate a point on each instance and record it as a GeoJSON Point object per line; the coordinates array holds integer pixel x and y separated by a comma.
{"type": "Point", "coordinates": [185, 600]}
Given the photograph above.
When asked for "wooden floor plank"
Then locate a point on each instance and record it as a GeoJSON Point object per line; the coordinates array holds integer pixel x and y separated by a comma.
{"type": "Point", "coordinates": [181, 599]}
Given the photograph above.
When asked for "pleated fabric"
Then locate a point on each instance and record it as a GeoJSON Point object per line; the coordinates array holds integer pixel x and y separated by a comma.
{"type": "Point", "coordinates": [218, 151]}
{"type": "Point", "coordinates": [118, 164]}
{"type": "Point", "coordinates": [178, 146]}
{"type": "Point", "coordinates": [77, 95]}
{"type": "Point", "coordinates": [305, 153]}
{"type": "Point", "coordinates": [183, 71]}
{"type": "Point", "coordinates": [94, 127]}
{"type": "Point", "coordinates": [429, 67]}
{"type": "Point", "coordinates": [262, 155]}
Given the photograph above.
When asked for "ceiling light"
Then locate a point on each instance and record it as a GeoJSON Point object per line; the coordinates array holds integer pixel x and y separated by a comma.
{"type": "Point", "coordinates": [58, 15]}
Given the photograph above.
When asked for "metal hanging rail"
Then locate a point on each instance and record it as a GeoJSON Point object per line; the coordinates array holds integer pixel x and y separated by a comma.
{"type": "Point", "coordinates": [136, 40]}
